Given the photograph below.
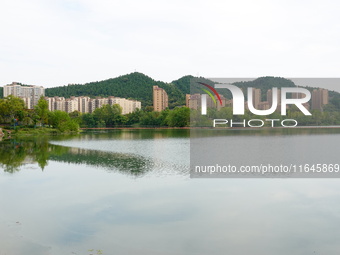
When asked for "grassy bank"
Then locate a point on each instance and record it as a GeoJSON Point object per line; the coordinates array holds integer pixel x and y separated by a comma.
{"type": "Point", "coordinates": [20, 132]}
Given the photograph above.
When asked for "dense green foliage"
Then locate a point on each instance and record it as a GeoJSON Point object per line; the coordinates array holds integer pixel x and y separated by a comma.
{"type": "Point", "coordinates": [183, 84]}
{"type": "Point", "coordinates": [110, 116]}
{"type": "Point", "coordinates": [14, 114]}
{"type": "Point", "coordinates": [62, 121]}
{"type": "Point", "coordinates": [334, 101]}
{"type": "Point", "coordinates": [41, 110]}
{"type": "Point", "coordinates": [179, 117]}
{"type": "Point", "coordinates": [11, 109]}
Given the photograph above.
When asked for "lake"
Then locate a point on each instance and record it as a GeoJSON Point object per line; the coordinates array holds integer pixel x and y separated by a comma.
{"type": "Point", "coordinates": [129, 192]}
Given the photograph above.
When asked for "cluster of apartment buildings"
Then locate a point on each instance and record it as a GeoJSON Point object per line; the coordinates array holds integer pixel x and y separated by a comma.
{"type": "Point", "coordinates": [31, 95]}
{"type": "Point", "coordinates": [88, 105]}
{"type": "Point", "coordinates": [85, 104]}
{"type": "Point", "coordinates": [319, 99]}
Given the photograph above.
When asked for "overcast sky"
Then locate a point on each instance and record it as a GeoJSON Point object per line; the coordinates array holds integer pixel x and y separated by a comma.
{"type": "Point", "coordinates": [57, 42]}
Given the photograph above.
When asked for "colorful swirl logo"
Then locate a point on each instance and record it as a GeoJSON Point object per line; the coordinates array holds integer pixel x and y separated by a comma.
{"type": "Point", "coordinates": [209, 93]}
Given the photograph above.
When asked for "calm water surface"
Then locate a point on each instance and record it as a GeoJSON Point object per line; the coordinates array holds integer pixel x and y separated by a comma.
{"type": "Point", "coordinates": [129, 192]}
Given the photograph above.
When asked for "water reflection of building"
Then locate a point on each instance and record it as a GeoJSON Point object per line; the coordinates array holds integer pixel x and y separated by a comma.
{"type": "Point", "coordinates": [28, 160]}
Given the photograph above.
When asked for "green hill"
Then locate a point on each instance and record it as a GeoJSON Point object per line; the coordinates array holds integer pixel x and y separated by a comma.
{"type": "Point", "coordinates": [183, 84]}
{"type": "Point", "coordinates": [265, 83]}
{"type": "Point", "coordinates": [135, 85]}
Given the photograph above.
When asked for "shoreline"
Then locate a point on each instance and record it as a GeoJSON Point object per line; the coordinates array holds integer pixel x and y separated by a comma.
{"type": "Point", "coordinates": [216, 128]}
{"type": "Point", "coordinates": [5, 134]}
{"type": "Point", "coordinates": [135, 128]}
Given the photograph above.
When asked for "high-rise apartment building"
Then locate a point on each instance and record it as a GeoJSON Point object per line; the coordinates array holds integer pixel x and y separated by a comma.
{"type": "Point", "coordinates": [160, 99]}
{"type": "Point", "coordinates": [187, 99]}
{"type": "Point", "coordinates": [270, 97]}
{"type": "Point", "coordinates": [29, 93]}
{"type": "Point", "coordinates": [83, 104]}
{"type": "Point", "coordinates": [298, 95]}
{"type": "Point", "coordinates": [59, 104]}
{"type": "Point", "coordinates": [71, 104]}
{"type": "Point", "coordinates": [319, 98]}
{"type": "Point", "coordinates": [194, 102]}
{"type": "Point", "coordinates": [270, 100]}
{"type": "Point", "coordinates": [256, 98]}
{"type": "Point", "coordinates": [127, 105]}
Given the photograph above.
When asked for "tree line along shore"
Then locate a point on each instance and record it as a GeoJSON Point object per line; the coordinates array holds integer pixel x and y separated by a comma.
{"type": "Point", "coordinates": [16, 118]}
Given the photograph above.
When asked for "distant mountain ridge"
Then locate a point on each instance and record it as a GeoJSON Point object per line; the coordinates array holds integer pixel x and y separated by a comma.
{"type": "Point", "coordinates": [139, 86]}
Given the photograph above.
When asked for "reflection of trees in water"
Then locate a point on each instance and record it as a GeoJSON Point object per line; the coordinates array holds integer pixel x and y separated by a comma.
{"type": "Point", "coordinates": [15, 153]}
{"type": "Point", "coordinates": [12, 156]}
{"type": "Point", "coordinates": [124, 163]}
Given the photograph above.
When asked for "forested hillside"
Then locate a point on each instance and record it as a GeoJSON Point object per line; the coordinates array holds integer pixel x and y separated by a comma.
{"type": "Point", "coordinates": [135, 85]}
{"type": "Point", "coordinates": [265, 83]}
